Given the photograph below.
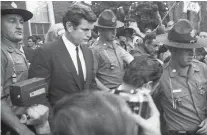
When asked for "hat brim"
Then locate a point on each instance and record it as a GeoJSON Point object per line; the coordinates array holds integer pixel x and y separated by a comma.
{"type": "Point", "coordinates": [118, 25]}
{"type": "Point", "coordinates": [201, 42]}
{"type": "Point", "coordinates": [26, 15]}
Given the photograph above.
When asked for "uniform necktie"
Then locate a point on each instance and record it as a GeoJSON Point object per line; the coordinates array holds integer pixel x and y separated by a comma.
{"type": "Point", "coordinates": [80, 71]}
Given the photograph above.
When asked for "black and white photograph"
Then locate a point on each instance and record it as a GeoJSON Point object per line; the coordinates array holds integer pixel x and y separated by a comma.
{"type": "Point", "coordinates": [103, 68]}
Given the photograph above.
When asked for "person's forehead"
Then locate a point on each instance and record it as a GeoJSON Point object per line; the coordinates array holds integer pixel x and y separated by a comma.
{"type": "Point", "coordinates": [29, 40]}
{"type": "Point", "coordinates": [16, 16]}
{"type": "Point", "coordinates": [148, 30]}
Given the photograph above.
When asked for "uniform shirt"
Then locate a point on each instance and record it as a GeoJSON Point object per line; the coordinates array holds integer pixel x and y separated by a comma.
{"type": "Point", "coordinates": [189, 94]}
{"type": "Point", "coordinates": [12, 59]}
{"type": "Point", "coordinates": [109, 63]}
{"type": "Point", "coordinates": [72, 51]}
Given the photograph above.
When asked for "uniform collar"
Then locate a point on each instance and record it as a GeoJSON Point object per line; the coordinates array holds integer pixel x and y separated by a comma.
{"type": "Point", "coordinates": [10, 46]}
{"type": "Point", "coordinates": [193, 68]}
{"type": "Point", "coordinates": [105, 45]}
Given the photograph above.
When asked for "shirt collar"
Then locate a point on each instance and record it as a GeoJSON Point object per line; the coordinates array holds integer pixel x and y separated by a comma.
{"type": "Point", "coordinates": [193, 68]}
{"type": "Point", "coordinates": [105, 46]}
{"type": "Point", "coordinates": [10, 46]}
{"type": "Point", "coordinates": [21, 49]}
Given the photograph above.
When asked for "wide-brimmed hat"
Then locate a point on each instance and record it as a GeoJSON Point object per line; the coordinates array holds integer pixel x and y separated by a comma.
{"type": "Point", "coordinates": [182, 35]}
{"type": "Point", "coordinates": [10, 7]}
{"type": "Point", "coordinates": [107, 19]}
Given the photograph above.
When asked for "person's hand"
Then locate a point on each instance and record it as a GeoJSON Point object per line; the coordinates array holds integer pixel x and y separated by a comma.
{"type": "Point", "coordinates": [25, 131]}
{"type": "Point", "coordinates": [150, 126]}
{"type": "Point", "coordinates": [203, 127]}
{"type": "Point", "coordinates": [38, 114]}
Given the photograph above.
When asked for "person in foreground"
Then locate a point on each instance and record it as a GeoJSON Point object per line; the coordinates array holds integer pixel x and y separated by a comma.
{"type": "Point", "coordinates": [101, 113]}
{"type": "Point", "coordinates": [183, 84]}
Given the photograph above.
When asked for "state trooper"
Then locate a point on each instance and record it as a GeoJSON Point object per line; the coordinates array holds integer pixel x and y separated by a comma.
{"type": "Point", "coordinates": [14, 67]}
{"type": "Point", "coordinates": [183, 84]}
{"type": "Point", "coordinates": [109, 56]}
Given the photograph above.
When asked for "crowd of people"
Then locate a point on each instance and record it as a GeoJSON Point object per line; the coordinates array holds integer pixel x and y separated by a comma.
{"type": "Point", "coordinates": [86, 60]}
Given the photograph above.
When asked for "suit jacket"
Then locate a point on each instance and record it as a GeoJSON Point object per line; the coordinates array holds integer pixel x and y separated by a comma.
{"type": "Point", "coordinates": [29, 53]}
{"type": "Point", "coordinates": [53, 62]}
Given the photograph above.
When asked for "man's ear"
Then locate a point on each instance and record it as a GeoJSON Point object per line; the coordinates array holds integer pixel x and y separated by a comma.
{"type": "Point", "coordinates": [69, 26]}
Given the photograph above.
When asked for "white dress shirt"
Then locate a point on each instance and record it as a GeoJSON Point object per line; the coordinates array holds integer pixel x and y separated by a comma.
{"type": "Point", "coordinates": [72, 51]}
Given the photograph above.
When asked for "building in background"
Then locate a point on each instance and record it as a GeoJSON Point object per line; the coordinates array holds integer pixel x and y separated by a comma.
{"type": "Point", "coordinates": [43, 17]}
{"type": "Point", "coordinates": [45, 13]}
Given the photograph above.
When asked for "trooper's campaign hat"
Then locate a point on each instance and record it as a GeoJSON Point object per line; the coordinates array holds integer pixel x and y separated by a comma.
{"type": "Point", "coordinates": [107, 19]}
{"type": "Point", "coordinates": [11, 7]}
{"type": "Point", "coordinates": [182, 35]}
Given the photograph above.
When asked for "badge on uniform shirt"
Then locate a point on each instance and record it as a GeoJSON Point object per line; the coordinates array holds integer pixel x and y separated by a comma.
{"type": "Point", "coordinates": [14, 5]}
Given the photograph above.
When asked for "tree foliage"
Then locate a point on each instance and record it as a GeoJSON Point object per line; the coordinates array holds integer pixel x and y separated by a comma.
{"type": "Point", "coordinates": [143, 11]}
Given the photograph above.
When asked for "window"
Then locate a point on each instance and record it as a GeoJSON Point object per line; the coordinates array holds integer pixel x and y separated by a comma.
{"type": "Point", "coordinates": [40, 22]}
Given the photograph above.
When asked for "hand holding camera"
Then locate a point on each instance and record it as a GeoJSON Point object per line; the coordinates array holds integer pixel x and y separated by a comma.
{"type": "Point", "coordinates": [145, 113]}
{"type": "Point", "coordinates": [152, 124]}
{"type": "Point", "coordinates": [37, 115]}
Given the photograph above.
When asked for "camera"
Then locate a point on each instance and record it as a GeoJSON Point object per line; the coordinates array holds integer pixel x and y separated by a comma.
{"type": "Point", "coordinates": [29, 92]}
{"type": "Point", "coordinates": [136, 101]}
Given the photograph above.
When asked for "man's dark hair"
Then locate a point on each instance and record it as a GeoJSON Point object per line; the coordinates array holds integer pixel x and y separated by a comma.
{"type": "Point", "coordinates": [37, 37]}
{"type": "Point", "coordinates": [141, 70]}
{"type": "Point", "coordinates": [93, 113]}
{"type": "Point", "coordinates": [76, 12]}
{"type": "Point", "coordinates": [33, 38]}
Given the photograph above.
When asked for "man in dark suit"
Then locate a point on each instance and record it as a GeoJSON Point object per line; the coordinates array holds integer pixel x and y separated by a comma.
{"type": "Point", "coordinates": [66, 63]}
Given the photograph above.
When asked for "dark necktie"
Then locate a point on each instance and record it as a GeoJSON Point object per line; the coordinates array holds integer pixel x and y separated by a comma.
{"type": "Point", "coordinates": [80, 71]}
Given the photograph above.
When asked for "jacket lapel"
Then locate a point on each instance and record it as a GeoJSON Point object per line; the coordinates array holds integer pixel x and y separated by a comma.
{"type": "Point", "coordinates": [67, 61]}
